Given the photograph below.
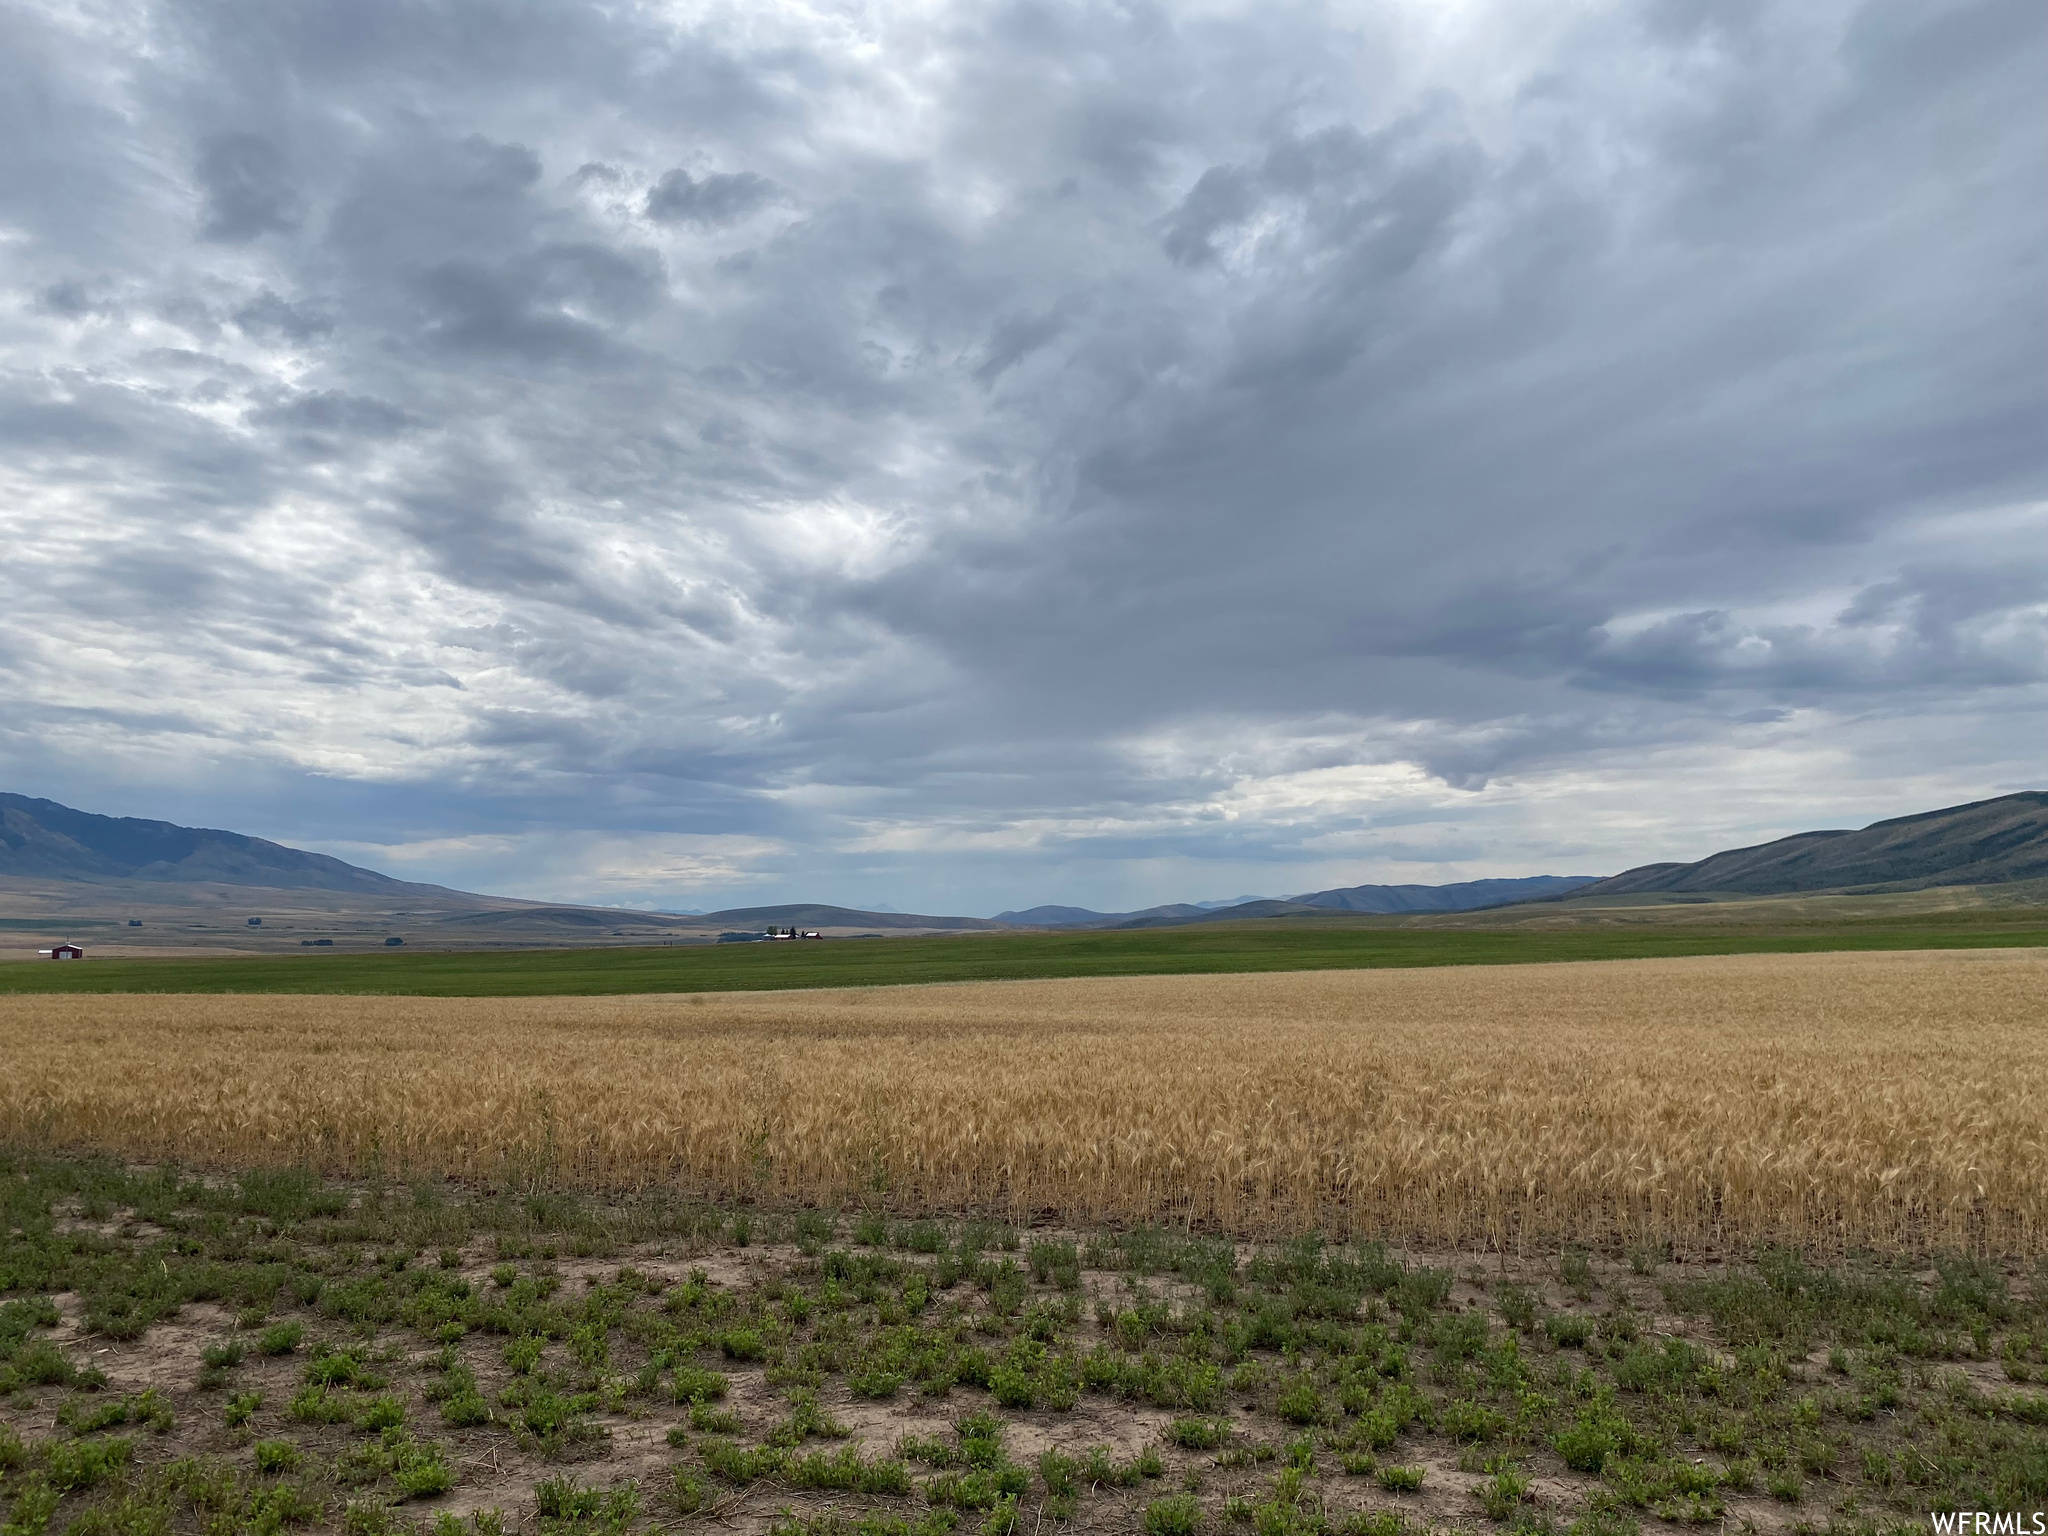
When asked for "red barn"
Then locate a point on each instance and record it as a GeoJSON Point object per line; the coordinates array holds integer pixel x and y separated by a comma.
{"type": "Point", "coordinates": [63, 952]}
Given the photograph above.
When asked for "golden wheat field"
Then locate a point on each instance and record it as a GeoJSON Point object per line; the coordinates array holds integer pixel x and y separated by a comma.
{"type": "Point", "coordinates": [1895, 1101]}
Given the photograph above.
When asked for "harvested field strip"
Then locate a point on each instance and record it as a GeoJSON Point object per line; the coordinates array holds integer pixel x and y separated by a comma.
{"type": "Point", "coordinates": [1835, 1101]}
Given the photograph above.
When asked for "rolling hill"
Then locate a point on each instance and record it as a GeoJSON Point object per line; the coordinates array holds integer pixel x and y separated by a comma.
{"type": "Point", "coordinates": [133, 883]}
{"type": "Point", "coordinates": [1987, 842]}
{"type": "Point", "coordinates": [126, 882]}
{"type": "Point", "coordinates": [51, 841]}
{"type": "Point", "coordinates": [1463, 896]}
{"type": "Point", "coordinates": [1083, 917]}
{"type": "Point", "coordinates": [812, 915]}
{"type": "Point", "coordinates": [1054, 917]}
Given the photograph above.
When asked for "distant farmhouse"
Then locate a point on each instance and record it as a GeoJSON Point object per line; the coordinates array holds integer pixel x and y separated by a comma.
{"type": "Point", "coordinates": [62, 952]}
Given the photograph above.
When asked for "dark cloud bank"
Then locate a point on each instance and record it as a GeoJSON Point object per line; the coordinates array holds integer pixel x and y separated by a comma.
{"type": "Point", "coordinates": [1021, 452]}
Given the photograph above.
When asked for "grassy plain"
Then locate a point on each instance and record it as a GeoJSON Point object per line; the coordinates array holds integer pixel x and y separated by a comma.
{"type": "Point", "coordinates": [1521, 935]}
{"type": "Point", "coordinates": [1888, 1101]}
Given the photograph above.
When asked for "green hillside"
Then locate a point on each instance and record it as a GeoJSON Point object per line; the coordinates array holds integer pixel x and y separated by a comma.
{"type": "Point", "coordinates": [1984, 843]}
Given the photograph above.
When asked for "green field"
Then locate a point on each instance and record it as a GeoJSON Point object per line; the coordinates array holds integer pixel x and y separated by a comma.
{"type": "Point", "coordinates": [1272, 945]}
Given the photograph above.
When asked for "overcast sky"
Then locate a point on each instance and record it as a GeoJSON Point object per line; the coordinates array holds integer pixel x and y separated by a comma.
{"type": "Point", "coordinates": [955, 457]}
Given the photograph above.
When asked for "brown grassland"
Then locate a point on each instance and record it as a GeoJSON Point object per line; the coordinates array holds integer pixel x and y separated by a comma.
{"type": "Point", "coordinates": [1836, 1101]}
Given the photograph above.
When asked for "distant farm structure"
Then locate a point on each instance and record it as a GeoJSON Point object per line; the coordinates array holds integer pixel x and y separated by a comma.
{"type": "Point", "coordinates": [62, 952]}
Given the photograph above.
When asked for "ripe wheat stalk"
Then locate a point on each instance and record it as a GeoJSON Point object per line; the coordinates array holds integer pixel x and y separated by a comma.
{"type": "Point", "coordinates": [1836, 1101]}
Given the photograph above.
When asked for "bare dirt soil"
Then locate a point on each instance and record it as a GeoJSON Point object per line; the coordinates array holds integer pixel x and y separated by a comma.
{"type": "Point", "coordinates": [372, 1360]}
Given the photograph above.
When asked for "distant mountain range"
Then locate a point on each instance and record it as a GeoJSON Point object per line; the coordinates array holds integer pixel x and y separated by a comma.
{"type": "Point", "coordinates": [1984, 843]}
{"type": "Point", "coordinates": [43, 838]}
{"type": "Point", "coordinates": [1462, 896]}
{"type": "Point", "coordinates": [811, 915]}
{"type": "Point", "coordinates": [1987, 842]}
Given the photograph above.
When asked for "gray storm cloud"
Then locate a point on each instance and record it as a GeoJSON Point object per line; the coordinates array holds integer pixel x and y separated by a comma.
{"type": "Point", "coordinates": [1021, 452]}
{"type": "Point", "coordinates": [717, 199]}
